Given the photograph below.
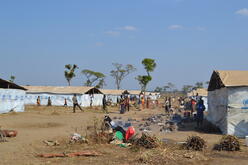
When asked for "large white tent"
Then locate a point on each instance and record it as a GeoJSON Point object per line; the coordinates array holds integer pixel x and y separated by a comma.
{"type": "Point", "coordinates": [11, 97]}
{"type": "Point", "coordinates": [112, 94]}
{"type": "Point", "coordinates": [86, 95]}
{"type": "Point", "coordinates": [228, 102]}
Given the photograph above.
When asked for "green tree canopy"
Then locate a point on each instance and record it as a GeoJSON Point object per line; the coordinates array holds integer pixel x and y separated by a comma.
{"type": "Point", "coordinates": [149, 65]}
{"type": "Point", "coordinates": [70, 72]}
{"type": "Point", "coordinates": [12, 78]}
{"type": "Point", "coordinates": [93, 77]}
{"type": "Point", "coordinates": [186, 88]}
{"type": "Point", "coordinates": [199, 85]}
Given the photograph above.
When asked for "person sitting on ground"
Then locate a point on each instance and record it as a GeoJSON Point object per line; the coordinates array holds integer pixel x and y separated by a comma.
{"type": "Point", "coordinates": [114, 126]}
{"type": "Point", "coordinates": [200, 112]}
{"type": "Point", "coordinates": [75, 103]}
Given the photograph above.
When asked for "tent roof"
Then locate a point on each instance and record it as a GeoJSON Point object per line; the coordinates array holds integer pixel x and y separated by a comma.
{"type": "Point", "coordinates": [62, 89]}
{"type": "Point", "coordinates": [119, 92]}
{"type": "Point", "coordinates": [9, 85]}
{"type": "Point", "coordinates": [135, 92]}
{"type": "Point", "coordinates": [228, 78]}
{"type": "Point", "coordinates": [112, 91]}
{"type": "Point", "coordinates": [200, 91]}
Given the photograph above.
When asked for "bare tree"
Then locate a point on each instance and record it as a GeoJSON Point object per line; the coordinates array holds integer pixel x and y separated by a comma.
{"type": "Point", "coordinates": [120, 72]}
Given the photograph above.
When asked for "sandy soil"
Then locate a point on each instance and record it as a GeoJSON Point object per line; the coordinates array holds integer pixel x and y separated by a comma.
{"type": "Point", "coordinates": [57, 123]}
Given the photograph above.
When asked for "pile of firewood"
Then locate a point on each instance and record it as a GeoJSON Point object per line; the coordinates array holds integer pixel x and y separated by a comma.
{"type": "Point", "coordinates": [147, 141]}
{"type": "Point", "coordinates": [195, 143]}
{"type": "Point", "coordinates": [228, 143]}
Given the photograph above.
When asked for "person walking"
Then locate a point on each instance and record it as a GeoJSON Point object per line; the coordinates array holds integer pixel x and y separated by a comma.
{"type": "Point", "coordinates": [167, 107]}
{"type": "Point", "coordinates": [127, 105]}
{"type": "Point", "coordinates": [122, 105]}
{"type": "Point", "coordinates": [104, 104]}
{"type": "Point", "coordinates": [38, 101]}
{"type": "Point", "coordinates": [75, 103]}
{"type": "Point", "coordinates": [65, 103]}
{"type": "Point", "coordinates": [49, 102]}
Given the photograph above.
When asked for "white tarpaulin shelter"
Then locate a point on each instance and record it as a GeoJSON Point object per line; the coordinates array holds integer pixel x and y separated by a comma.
{"type": "Point", "coordinates": [112, 94]}
{"type": "Point", "coordinates": [153, 95]}
{"type": "Point", "coordinates": [228, 102]}
{"type": "Point", "coordinates": [11, 97]}
{"type": "Point", "coordinates": [58, 94]}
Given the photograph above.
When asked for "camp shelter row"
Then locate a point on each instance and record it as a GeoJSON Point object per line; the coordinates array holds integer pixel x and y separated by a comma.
{"type": "Point", "coordinates": [59, 94]}
{"type": "Point", "coordinates": [12, 97]}
{"type": "Point", "coordinates": [87, 96]}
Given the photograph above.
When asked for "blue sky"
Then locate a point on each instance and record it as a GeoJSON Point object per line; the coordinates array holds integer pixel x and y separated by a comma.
{"type": "Point", "coordinates": [187, 38]}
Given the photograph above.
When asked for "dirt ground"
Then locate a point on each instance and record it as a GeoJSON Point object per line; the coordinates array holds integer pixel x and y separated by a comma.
{"type": "Point", "coordinates": [37, 124]}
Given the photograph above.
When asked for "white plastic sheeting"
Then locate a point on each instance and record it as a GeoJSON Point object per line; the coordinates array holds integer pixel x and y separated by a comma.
{"type": "Point", "coordinates": [238, 111]}
{"type": "Point", "coordinates": [217, 108]}
{"type": "Point", "coordinates": [59, 99]}
{"type": "Point", "coordinates": [205, 99]}
{"type": "Point", "coordinates": [113, 98]}
{"type": "Point", "coordinates": [228, 109]}
{"type": "Point", "coordinates": [12, 99]}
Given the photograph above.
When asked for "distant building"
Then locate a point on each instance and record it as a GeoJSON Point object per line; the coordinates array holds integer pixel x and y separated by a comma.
{"type": "Point", "coordinates": [11, 97]}
{"type": "Point", "coordinates": [228, 102]}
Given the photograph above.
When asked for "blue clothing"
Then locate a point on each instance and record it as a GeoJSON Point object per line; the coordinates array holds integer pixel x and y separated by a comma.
{"type": "Point", "coordinates": [200, 111]}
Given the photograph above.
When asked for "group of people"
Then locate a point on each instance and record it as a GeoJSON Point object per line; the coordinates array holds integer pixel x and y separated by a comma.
{"type": "Point", "coordinates": [123, 102]}
{"type": "Point", "coordinates": [74, 101]}
{"type": "Point", "coordinates": [49, 101]}
{"type": "Point", "coordinates": [195, 105]}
